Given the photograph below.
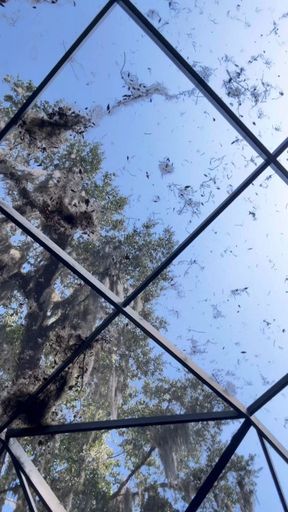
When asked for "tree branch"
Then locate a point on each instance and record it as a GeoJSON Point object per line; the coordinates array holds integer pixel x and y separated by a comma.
{"type": "Point", "coordinates": [132, 473]}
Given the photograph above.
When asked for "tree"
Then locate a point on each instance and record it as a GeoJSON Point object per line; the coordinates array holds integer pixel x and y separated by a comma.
{"type": "Point", "coordinates": [54, 176]}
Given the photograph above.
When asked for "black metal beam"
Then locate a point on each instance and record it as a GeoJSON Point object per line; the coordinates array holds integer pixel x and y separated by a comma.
{"type": "Point", "coordinates": [203, 86]}
{"type": "Point", "coordinates": [219, 467]}
{"type": "Point", "coordinates": [268, 395]}
{"type": "Point", "coordinates": [148, 421]}
{"type": "Point", "coordinates": [2, 448]}
{"type": "Point", "coordinates": [270, 438]}
{"type": "Point", "coordinates": [52, 73]}
{"type": "Point", "coordinates": [273, 474]}
{"type": "Point", "coordinates": [23, 484]}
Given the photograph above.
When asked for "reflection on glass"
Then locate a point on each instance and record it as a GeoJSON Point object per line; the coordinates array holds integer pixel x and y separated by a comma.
{"type": "Point", "coordinates": [281, 469]}
{"type": "Point", "coordinates": [35, 38]}
{"type": "Point", "coordinates": [143, 469]}
{"type": "Point", "coordinates": [126, 375]}
{"type": "Point", "coordinates": [45, 312]}
{"type": "Point", "coordinates": [256, 490]}
{"type": "Point", "coordinates": [275, 416]}
{"type": "Point", "coordinates": [227, 296]}
{"type": "Point", "coordinates": [246, 67]}
{"type": "Point", "coordinates": [128, 163]}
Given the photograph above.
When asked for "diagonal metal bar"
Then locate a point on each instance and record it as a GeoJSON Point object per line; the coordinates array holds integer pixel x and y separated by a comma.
{"type": "Point", "coordinates": [149, 421]}
{"type": "Point", "coordinates": [273, 474]}
{"type": "Point", "coordinates": [31, 473]}
{"type": "Point", "coordinates": [268, 395]}
{"type": "Point", "coordinates": [270, 438]}
{"type": "Point", "coordinates": [53, 72]}
{"type": "Point", "coordinates": [23, 484]}
{"type": "Point", "coordinates": [203, 87]}
{"type": "Point", "coordinates": [2, 449]}
{"type": "Point", "coordinates": [219, 467]}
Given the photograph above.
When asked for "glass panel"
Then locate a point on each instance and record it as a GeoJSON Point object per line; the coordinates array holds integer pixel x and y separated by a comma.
{"type": "Point", "coordinates": [124, 157]}
{"type": "Point", "coordinates": [128, 375]}
{"type": "Point", "coordinates": [253, 486]}
{"type": "Point", "coordinates": [227, 299]}
{"type": "Point", "coordinates": [11, 494]}
{"type": "Point", "coordinates": [45, 312]}
{"type": "Point", "coordinates": [284, 158]}
{"type": "Point", "coordinates": [143, 469]}
{"type": "Point", "coordinates": [281, 469]}
{"type": "Point", "coordinates": [35, 38]}
{"type": "Point", "coordinates": [246, 66]}
{"type": "Point", "coordinates": [275, 417]}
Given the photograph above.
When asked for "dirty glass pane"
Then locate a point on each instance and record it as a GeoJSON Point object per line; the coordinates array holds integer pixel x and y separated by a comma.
{"type": "Point", "coordinates": [281, 469]}
{"type": "Point", "coordinates": [226, 301]}
{"type": "Point", "coordinates": [45, 312]}
{"type": "Point", "coordinates": [125, 374]}
{"type": "Point", "coordinates": [134, 163]}
{"type": "Point", "coordinates": [275, 416]}
{"type": "Point", "coordinates": [143, 469]}
{"type": "Point", "coordinates": [34, 37]}
{"type": "Point", "coordinates": [239, 48]}
{"type": "Point", "coordinates": [255, 488]}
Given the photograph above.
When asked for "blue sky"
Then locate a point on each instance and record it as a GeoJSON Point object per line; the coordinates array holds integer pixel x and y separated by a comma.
{"type": "Point", "coordinates": [229, 307]}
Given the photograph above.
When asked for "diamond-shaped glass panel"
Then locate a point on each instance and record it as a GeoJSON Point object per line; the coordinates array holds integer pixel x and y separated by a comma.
{"type": "Point", "coordinates": [239, 48]}
{"type": "Point", "coordinates": [226, 303]}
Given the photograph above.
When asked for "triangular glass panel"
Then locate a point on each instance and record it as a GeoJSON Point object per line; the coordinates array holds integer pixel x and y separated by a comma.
{"type": "Point", "coordinates": [43, 315]}
{"type": "Point", "coordinates": [248, 74]}
{"type": "Point", "coordinates": [283, 158]}
{"type": "Point", "coordinates": [274, 415]}
{"type": "Point", "coordinates": [251, 481]}
{"type": "Point", "coordinates": [227, 294]}
{"type": "Point", "coordinates": [11, 493]}
{"type": "Point", "coordinates": [129, 162]}
{"type": "Point", "coordinates": [147, 469]}
{"type": "Point", "coordinates": [35, 39]}
{"type": "Point", "coordinates": [281, 470]}
{"type": "Point", "coordinates": [126, 375]}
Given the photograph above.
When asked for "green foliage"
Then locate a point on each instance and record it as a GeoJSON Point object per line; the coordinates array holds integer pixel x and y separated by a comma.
{"type": "Point", "coordinates": [57, 178]}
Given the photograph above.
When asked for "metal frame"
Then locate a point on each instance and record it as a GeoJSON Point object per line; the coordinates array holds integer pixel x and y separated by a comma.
{"type": "Point", "coordinates": [28, 474]}
{"type": "Point", "coordinates": [25, 469]}
{"type": "Point", "coordinates": [273, 474]}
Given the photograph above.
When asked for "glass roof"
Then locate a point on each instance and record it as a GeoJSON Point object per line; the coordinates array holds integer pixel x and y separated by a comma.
{"type": "Point", "coordinates": [143, 243]}
{"type": "Point", "coordinates": [246, 67]}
